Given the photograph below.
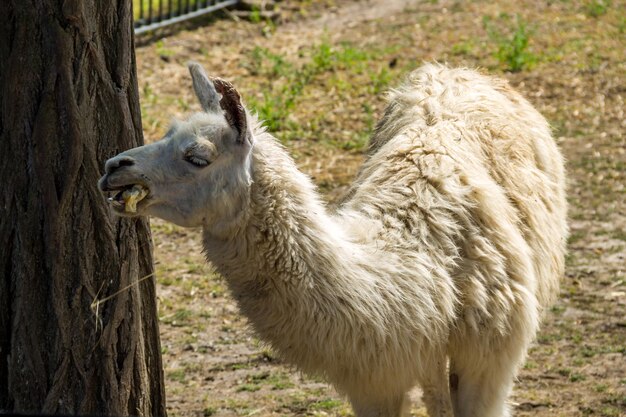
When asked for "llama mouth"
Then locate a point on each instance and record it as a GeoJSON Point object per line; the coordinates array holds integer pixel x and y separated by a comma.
{"type": "Point", "coordinates": [126, 199]}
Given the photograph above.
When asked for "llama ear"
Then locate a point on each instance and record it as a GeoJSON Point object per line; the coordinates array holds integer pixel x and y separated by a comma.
{"type": "Point", "coordinates": [233, 109]}
{"type": "Point", "coordinates": [204, 88]}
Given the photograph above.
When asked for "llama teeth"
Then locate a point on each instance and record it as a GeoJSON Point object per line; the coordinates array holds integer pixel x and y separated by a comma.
{"type": "Point", "coordinates": [133, 196]}
{"type": "Point", "coordinates": [115, 200]}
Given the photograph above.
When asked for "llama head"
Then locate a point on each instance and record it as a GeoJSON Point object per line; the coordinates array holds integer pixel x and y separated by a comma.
{"type": "Point", "coordinates": [198, 174]}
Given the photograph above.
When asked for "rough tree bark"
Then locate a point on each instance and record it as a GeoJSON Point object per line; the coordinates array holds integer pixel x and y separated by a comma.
{"type": "Point", "coordinates": [69, 101]}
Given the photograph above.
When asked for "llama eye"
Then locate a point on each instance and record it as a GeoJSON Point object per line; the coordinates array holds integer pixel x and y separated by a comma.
{"type": "Point", "coordinates": [199, 162]}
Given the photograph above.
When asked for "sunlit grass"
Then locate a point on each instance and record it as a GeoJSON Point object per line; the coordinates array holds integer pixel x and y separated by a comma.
{"type": "Point", "coordinates": [147, 9]}
{"type": "Point", "coordinates": [292, 79]}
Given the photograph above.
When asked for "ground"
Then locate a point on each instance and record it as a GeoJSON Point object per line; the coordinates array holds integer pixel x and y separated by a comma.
{"type": "Point", "coordinates": [318, 76]}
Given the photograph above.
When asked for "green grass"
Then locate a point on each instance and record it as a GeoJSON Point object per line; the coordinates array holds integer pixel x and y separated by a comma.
{"type": "Point", "coordinates": [248, 388]}
{"type": "Point", "coordinates": [464, 48]}
{"type": "Point", "coordinates": [209, 411]}
{"type": "Point", "coordinates": [512, 39]}
{"type": "Point", "coordinates": [278, 102]}
{"type": "Point", "coordinates": [597, 8]}
{"type": "Point", "coordinates": [326, 404]}
{"type": "Point", "coordinates": [177, 374]}
{"type": "Point", "coordinates": [180, 317]}
{"type": "Point", "coordinates": [162, 50]}
{"type": "Point", "coordinates": [138, 4]}
{"type": "Point", "coordinates": [293, 78]}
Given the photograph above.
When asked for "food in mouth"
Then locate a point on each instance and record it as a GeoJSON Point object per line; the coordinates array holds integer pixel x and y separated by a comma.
{"type": "Point", "coordinates": [129, 198]}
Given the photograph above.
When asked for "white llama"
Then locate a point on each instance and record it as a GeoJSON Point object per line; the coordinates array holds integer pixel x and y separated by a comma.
{"type": "Point", "coordinates": [433, 271]}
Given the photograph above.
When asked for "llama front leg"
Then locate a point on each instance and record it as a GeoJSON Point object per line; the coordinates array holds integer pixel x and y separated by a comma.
{"type": "Point", "coordinates": [483, 367]}
{"type": "Point", "coordinates": [482, 393]}
{"type": "Point", "coordinates": [480, 384]}
{"type": "Point", "coordinates": [396, 406]}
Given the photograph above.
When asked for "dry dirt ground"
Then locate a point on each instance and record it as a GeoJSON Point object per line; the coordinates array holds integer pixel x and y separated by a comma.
{"type": "Point", "coordinates": [318, 75]}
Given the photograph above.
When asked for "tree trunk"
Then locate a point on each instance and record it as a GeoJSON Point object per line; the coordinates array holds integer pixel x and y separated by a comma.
{"type": "Point", "coordinates": [69, 101]}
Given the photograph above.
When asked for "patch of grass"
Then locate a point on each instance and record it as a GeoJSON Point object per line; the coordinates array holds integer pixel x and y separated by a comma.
{"type": "Point", "coordinates": [326, 404]}
{"type": "Point", "coordinates": [575, 237]}
{"type": "Point", "coordinates": [190, 339]}
{"type": "Point", "coordinates": [291, 80]}
{"type": "Point", "coordinates": [162, 51]}
{"type": "Point", "coordinates": [277, 381]}
{"type": "Point", "coordinates": [576, 337]}
{"type": "Point", "coordinates": [217, 290]}
{"type": "Point", "coordinates": [465, 48]}
{"type": "Point", "coordinates": [148, 94]}
{"type": "Point", "coordinates": [248, 388]}
{"type": "Point", "coordinates": [262, 61]}
{"type": "Point", "coordinates": [610, 412]}
{"type": "Point", "coordinates": [183, 104]}
{"type": "Point", "coordinates": [281, 385]}
{"type": "Point", "coordinates": [512, 38]}
{"type": "Point", "coordinates": [557, 309]}
{"type": "Point", "coordinates": [619, 234]}
{"type": "Point", "coordinates": [179, 318]}
{"type": "Point", "coordinates": [277, 104]}
{"type": "Point", "coordinates": [621, 25]}
{"type": "Point", "coordinates": [194, 267]}
{"type": "Point", "coordinates": [548, 339]}
{"type": "Point", "coordinates": [600, 387]}
{"type": "Point", "coordinates": [176, 374]}
{"type": "Point", "coordinates": [255, 14]}
{"type": "Point", "coordinates": [597, 8]}
{"type": "Point", "coordinates": [241, 365]}
{"type": "Point", "coordinates": [380, 80]}
{"type": "Point", "coordinates": [241, 407]}
{"type": "Point", "coordinates": [209, 411]}
{"type": "Point", "coordinates": [358, 140]}
{"type": "Point", "coordinates": [588, 352]}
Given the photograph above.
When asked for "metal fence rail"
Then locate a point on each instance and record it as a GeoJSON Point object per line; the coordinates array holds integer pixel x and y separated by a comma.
{"type": "Point", "coordinates": [154, 14]}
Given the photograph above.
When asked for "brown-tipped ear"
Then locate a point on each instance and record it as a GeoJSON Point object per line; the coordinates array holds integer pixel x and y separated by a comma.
{"type": "Point", "coordinates": [233, 109]}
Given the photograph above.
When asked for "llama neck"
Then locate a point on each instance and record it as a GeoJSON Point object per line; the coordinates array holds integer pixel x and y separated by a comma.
{"type": "Point", "coordinates": [286, 232]}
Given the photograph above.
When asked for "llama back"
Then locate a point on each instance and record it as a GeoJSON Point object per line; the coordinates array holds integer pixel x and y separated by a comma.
{"type": "Point", "coordinates": [500, 146]}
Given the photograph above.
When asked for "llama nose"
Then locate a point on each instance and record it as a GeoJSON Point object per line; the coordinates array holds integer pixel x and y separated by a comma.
{"type": "Point", "coordinates": [118, 161]}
